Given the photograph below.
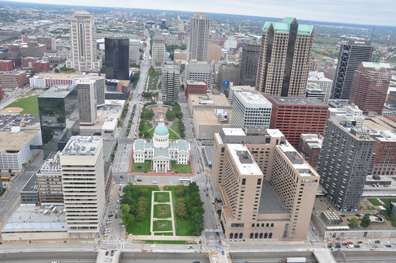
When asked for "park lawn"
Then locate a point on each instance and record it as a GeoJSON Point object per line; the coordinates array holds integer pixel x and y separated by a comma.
{"type": "Point", "coordinates": [161, 197]}
{"type": "Point", "coordinates": [146, 126]}
{"type": "Point", "coordinates": [387, 201]}
{"type": "Point", "coordinates": [164, 233]}
{"type": "Point", "coordinates": [162, 225]}
{"type": "Point", "coordinates": [180, 168]}
{"type": "Point", "coordinates": [146, 166]}
{"type": "Point", "coordinates": [143, 227]}
{"type": "Point", "coordinates": [178, 242]}
{"type": "Point", "coordinates": [375, 202]}
{"type": "Point", "coordinates": [175, 127]}
{"type": "Point", "coordinates": [29, 105]}
{"type": "Point", "coordinates": [162, 211]}
{"type": "Point", "coordinates": [183, 227]}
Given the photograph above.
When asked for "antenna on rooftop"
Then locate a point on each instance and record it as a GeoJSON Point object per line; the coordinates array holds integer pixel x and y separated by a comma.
{"type": "Point", "coordinates": [371, 40]}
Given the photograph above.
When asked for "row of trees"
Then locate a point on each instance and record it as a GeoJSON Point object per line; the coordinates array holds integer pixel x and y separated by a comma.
{"type": "Point", "coordinates": [132, 209]}
{"type": "Point", "coordinates": [354, 221]}
{"type": "Point", "coordinates": [147, 113]}
{"type": "Point", "coordinates": [175, 112]}
{"type": "Point", "coordinates": [196, 210]}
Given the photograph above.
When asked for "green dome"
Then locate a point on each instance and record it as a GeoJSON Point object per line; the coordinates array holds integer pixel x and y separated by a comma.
{"type": "Point", "coordinates": [161, 130]}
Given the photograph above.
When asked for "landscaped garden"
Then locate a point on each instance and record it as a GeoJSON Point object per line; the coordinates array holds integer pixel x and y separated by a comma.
{"type": "Point", "coordinates": [162, 225]}
{"type": "Point", "coordinates": [142, 167]}
{"type": "Point", "coordinates": [162, 211]}
{"type": "Point", "coordinates": [161, 197]}
{"type": "Point", "coordinates": [180, 168]}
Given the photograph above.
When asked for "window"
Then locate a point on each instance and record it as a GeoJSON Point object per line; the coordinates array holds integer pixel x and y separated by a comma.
{"type": "Point", "coordinates": [265, 235]}
{"type": "Point", "coordinates": [258, 181]}
{"type": "Point", "coordinates": [258, 225]}
{"type": "Point", "coordinates": [253, 225]}
{"type": "Point", "coordinates": [272, 224]}
{"type": "Point", "coordinates": [270, 235]}
{"type": "Point", "coordinates": [240, 235]}
{"type": "Point", "coordinates": [251, 235]}
{"type": "Point", "coordinates": [243, 181]}
{"type": "Point", "coordinates": [231, 235]}
{"type": "Point", "coordinates": [267, 225]}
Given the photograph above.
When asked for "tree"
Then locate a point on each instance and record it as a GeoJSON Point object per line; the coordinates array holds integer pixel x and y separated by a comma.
{"type": "Point", "coordinates": [140, 134]}
{"type": "Point", "coordinates": [362, 207]}
{"type": "Point", "coordinates": [171, 56]}
{"type": "Point", "coordinates": [366, 220]}
{"type": "Point", "coordinates": [180, 190]}
{"type": "Point", "coordinates": [143, 191]}
{"type": "Point", "coordinates": [129, 188]}
{"type": "Point", "coordinates": [140, 216]}
{"type": "Point", "coordinates": [146, 134]}
{"type": "Point", "coordinates": [56, 70]}
{"type": "Point", "coordinates": [181, 211]}
{"type": "Point", "coordinates": [125, 209]}
{"type": "Point", "coordinates": [182, 86]}
{"type": "Point", "coordinates": [32, 72]}
{"type": "Point", "coordinates": [354, 222]}
{"type": "Point", "coordinates": [9, 170]}
{"type": "Point", "coordinates": [127, 219]}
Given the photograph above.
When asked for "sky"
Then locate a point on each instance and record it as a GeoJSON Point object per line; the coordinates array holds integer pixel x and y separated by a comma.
{"type": "Point", "coordinates": [368, 12]}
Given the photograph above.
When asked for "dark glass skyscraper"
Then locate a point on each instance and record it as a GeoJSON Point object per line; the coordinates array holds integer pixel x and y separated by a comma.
{"type": "Point", "coordinates": [351, 55]}
{"type": "Point", "coordinates": [117, 58]}
{"type": "Point", "coordinates": [250, 58]}
{"type": "Point", "coordinates": [59, 117]}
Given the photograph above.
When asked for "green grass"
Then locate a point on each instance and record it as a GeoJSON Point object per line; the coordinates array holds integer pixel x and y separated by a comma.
{"type": "Point", "coordinates": [143, 227]}
{"type": "Point", "coordinates": [29, 105]}
{"type": "Point", "coordinates": [375, 202]}
{"type": "Point", "coordinates": [161, 197]}
{"type": "Point", "coordinates": [168, 242]}
{"type": "Point", "coordinates": [162, 211]}
{"type": "Point", "coordinates": [180, 168]}
{"type": "Point", "coordinates": [183, 227]}
{"type": "Point", "coordinates": [175, 127]}
{"type": "Point", "coordinates": [162, 225]}
{"type": "Point", "coordinates": [164, 233]}
{"type": "Point", "coordinates": [146, 126]}
{"type": "Point", "coordinates": [146, 166]}
{"type": "Point", "coordinates": [387, 201]}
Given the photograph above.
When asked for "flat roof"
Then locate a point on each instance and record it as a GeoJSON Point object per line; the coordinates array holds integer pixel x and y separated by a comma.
{"type": "Point", "coordinates": [233, 132]}
{"type": "Point", "coordinates": [29, 186]}
{"type": "Point", "coordinates": [376, 64]}
{"type": "Point", "coordinates": [244, 160]}
{"type": "Point", "coordinates": [379, 123]}
{"type": "Point", "coordinates": [72, 76]}
{"type": "Point", "coordinates": [298, 101]}
{"type": "Point", "coordinates": [110, 124]}
{"type": "Point", "coordinates": [209, 117]}
{"type": "Point", "coordinates": [58, 91]}
{"type": "Point", "coordinates": [270, 200]}
{"type": "Point", "coordinates": [82, 145]}
{"type": "Point", "coordinates": [218, 100]}
{"type": "Point", "coordinates": [296, 160]}
{"type": "Point", "coordinates": [252, 98]}
{"type": "Point", "coordinates": [104, 113]}
{"type": "Point", "coordinates": [33, 218]}
{"type": "Point", "coordinates": [13, 142]}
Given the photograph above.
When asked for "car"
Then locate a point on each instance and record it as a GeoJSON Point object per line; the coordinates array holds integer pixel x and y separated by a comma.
{"type": "Point", "coordinates": [112, 253]}
{"type": "Point", "coordinates": [189, 247]}
{"type": "Point", "coordinates": [377, 241]}
{"type": "Point", "coordinates": [350, 243]}
{"type": "Point", "coordinates": [344, 244]}
{"type": "Point", "coordinates": [218, 248]}
{"type": "Point", "coordinates": [106, 235]}
{"type": "Point", "coordinates": [107, 253]}
{"type": "Point", "coordinates": [122, 177]}
{"type": "Point", "coordinates": [110, 215]}
{"type": "Point", "coordinates": [337, 246]}
{"type": "Point", "coordinates": [154, 182]}
{"type": "Point", "coordinates": [139, 180]}
{"type": "Point", "coordinates": [105, 259]}
{"type": "Point", "coordinates": [388, 245]}
{"type": "Point", "coordinates": [369, 243]}
{"type": "Point", "coordinates": [198, 171]}
{"type": "Point", "coordinates": [116, 216]}
{"type": "Point", "coordinates": [330, 245]}
{"type": "Point", "coordinates": [357, 246]}
{"type": "Point", "coordinates": [394, 243]}
{"type": "Point", "coordinates": [360, 242]}
{"type": "Point", "coordinates": [375, 246]}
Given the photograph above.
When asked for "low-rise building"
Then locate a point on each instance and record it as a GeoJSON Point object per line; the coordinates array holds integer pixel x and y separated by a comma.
{"type": "Point", "coordinates": [41, 66]}
{"type": "Point", "coordinates": [195, 87]}
{"type": "Point", "coordinates": [13, 79]}
{"type": "Point", "coordinates": [208, 122]}
{"type": "Point", "coordinates": [6, 65]}
{"type": "Point", "coordinates": [109, 128]}
{"type": "Point", "coordinates": [45, 80]}
{"type": "Point", "coordinates": [29, 193]}
{"type": "Point", "coordinates": [49, 180]}
{"type": "Point", "coordinates": [309, 147]}
{"type": "Point", "coordinates": [208, 102]}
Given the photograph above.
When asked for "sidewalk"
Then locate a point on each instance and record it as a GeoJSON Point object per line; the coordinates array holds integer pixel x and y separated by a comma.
{"type": "Point", "coordinates": [132, 238]}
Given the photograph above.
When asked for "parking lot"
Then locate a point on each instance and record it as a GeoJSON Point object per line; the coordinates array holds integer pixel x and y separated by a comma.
{"type": "Point", "coordinates": [7, 121]}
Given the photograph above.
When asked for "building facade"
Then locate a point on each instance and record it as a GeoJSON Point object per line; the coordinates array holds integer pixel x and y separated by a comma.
{"type": "Point", "coordinates": [158, 51]}
{"type": "Point", "coordinates": [199, 37]}
{"type": "Point", "coordinates": [344, 163]}
{"type": "Point", "coordinates": [199, 71]}
{"type": "Point", "coordinates": [170, 84]}
{"type": "Point", "coordinates": [385, 151]}
{"type": "Point", "coordinates": [285, 54]}
{"type": "Point", "coordinates": [134, 53]}
{"type": "Point", "coordinates": [214, 52]}
{"type": "Point", "coordinates": [195, 87]}
{"type": "Point", "coordinates": [13, 79]}
{"type": "Point", "coordinates": [88, 99]}
{"type": "Point", "coordinates": [294, 116]}
{"type": "Point", "coordinates": [49, 180]}
{"type": "Point", "coordinates": [370, 86]}
{"type": "Point", "coordinates": [250, 58]}
{"type": "Point", "coordinates": [250, 110]}
{"type": "Point", "coordinates": [351, 55]}
{"type": "Point", "coordinates": [323, 83]}
{"type": "Point", "coordinates": [117, 58]}
{"type": "Point", "coordinates": [6, 65]}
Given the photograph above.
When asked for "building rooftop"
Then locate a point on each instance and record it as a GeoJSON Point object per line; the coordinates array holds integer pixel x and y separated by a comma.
{"type": "Point", "coordinates": [28, 218]}
{"type": "Point", "coordinates": [270, 201]}
{"type": "Point", "coordinates": [209, 117]}
{"type": "Point", "coordinates": [110, 124]}
{"type": "Point", "coordinates": [58, 91]}
{"type": "Point", "coordinates": [82, 145]}
{"type": "Point", "coordinates": [252, 99]}
{"type": "Point", "coordinates": [216, 100]}
{"type": "Point", "coordinates": [13, 73]}
{"type": "Point", "coordinates": [52, 164]}
{"type": "Point", "coordinates": [284, 26]}
{"type": "Point", "coordinates": [13, 142]}
{"type": "Point", "coordinates": [233, 132]}
{"type": "Point", "coordinates": [243, 159]}
{"type": "Point", "coordinates": [31, 185]}
{"type": "Point", "coordinates": [376, 64]}
{"type": "Point", "coordinates": [193, 82]}
{"type": "Point", "coordinates": [72, 76]}
{"type": "Point", "coordinates": [298, 101]}
{"type": "Point", "coordinates": [387, 136]}
{"type": "Point", "coordinates": [296, 160]}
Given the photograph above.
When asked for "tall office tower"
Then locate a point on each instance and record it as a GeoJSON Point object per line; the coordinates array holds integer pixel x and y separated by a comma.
{"type": "Point", "coordinates": [284, 58]}
{"type": "Point", "coordinates": [88, 98]}
{"type": "Point", "coordinates": [134, 54]}
{"type": "Point", "coordinates": [257, 175]}
{"type": "Point", "coordinates": [117, 58]}
{"type": "Point", "coordinates": [59, 117]}
{"type": "Point", "coordinates": [158, 51]}
{"type": "Point", "coordinates": [250, 58]}
{"type": "Point", "coordinates": [370, 86]}
{"type": "Point", "coordinates": [49, 180]}
{"type": "Point", "coordinates": [344, 162]}
{"type": "Point", "coordinates": [199, 38]}
{"type": "Point", "coordinates": [250, 110]}
{"type": "Point", "coordinates": [323, 83]}
{"type": "Point", "coordinates": [229, 73]}
{"type": "Point", "coordinates": [198, 71]}
{"type": "Point", "coordinates": [294, 116]}
{"type": "Point", "coordinates": [170, 84]}
{"type": "Point", "coordinates": [83, 42]}
{"type": "Point", "coordinates": [214, 52]}
{"type": "Point", "coordinates": [351, 55]}
{"type": "Point", "coordinates": [83, 185]}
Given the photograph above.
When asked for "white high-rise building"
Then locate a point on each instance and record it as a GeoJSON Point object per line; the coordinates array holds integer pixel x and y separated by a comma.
{"type": "Point", "coordinates": [83, 42]}
{"type": "Point", "coordinates": [198, 71]}
{"type": "Point", "coordinates": [82, 168]}
{"type": "Point", "coordinates": [199, 37]}
{"type": "Point", "coordinates": [90, 94]}
{"type": "Point", "coordinates": [158, 51]}
{"type": "Point", "coordinates": [250, 110]}
{"type": "Point", "coordinates": [324, 83]}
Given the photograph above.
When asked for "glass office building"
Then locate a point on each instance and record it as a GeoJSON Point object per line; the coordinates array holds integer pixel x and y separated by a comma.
{"type": "Point", "coordinates": [59, 117]}
{"type": "Point", "coordinates": [117, 58]}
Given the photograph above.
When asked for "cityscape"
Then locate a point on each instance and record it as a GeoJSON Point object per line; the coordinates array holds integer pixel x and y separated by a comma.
{"type": "Point", "coordinates": [143, 135]}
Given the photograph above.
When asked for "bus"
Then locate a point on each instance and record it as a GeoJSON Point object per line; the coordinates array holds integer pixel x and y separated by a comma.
{"type": "Point", "coordinates": [185, 181]}
{"type": "Point", "coordinates": [5, 179]}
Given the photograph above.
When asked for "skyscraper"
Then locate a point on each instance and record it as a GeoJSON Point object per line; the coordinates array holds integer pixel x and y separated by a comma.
{"type": "Point", "coordinates": [370, 86]}
{"type": "Point", "coordinates": [283, 65]}
{"type": "Point", "coordinates": [351, 55]}
{"type": "Point", "coordinates": [82, 168]}
{"type": "Point", "coordinates": [59, 117]}
{"type": "Point", "coordinates": [83, 42]}
{"type": "Point", "coordinates": [250, 58]}
{"type": "Point", "coordinates": [88, 98]}
{"type": "Point", "coordinates": [170, 84]}
{"type": "Point", "coordinates": [158, 51]}
{"type": "Point", "coordinates": [117, 58]}
{"type": "Point", "coordinates": [344, 162]}
{"type": "Point", "coordinates": [199, 37]}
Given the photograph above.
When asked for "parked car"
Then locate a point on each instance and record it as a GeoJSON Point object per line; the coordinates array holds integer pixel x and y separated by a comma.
{"type": "Point", "coordinates": [377, 241]}
{"type": "Point", "coordinates": [122, 177]}
{"type": "Point", "coordinates": [189, 247]}
{"type": "Point", "coordinates": [139, 180]}
{"type": "Point", "coordinates": [350, 243]}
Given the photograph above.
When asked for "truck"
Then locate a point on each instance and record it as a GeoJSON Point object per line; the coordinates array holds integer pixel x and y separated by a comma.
{"type": "Point", "coordinates": [293, 260]}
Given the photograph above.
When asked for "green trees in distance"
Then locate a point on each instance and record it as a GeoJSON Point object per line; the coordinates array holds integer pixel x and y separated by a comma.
{"type": "Point", "coordinates": [171, 48]}
{"type": "Point", "coordinates": [127, 218]}
{"type": "Point", "coordinates": [147, 114]}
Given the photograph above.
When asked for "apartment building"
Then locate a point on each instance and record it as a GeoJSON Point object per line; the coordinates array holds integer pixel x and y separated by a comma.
{"type": "Point", "coordinates": [199, 71]}
{"type": "Point", "coordinates": [82, 168]}
{"type": "Point", "coordinates": [170, 84]}
{"type": "Point", "coordinates": [344, 162]}
{"type": "Point", "coordinates": [266, 188]}
{"type": "Point", "coordinates": [13, 79]}
{"type": "Point", "coordinates": [285, 55]}
{"type": "Point", "coordinates": [385, 154]}
{"type": "Point", "coordinates": [88, 91]}
{"type": "Point", "coordinates": [214, 52]}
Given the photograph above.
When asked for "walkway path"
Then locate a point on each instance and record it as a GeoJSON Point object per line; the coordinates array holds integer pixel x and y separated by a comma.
{"type": "Point", "coordinates": [153, 219]}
